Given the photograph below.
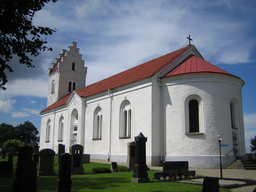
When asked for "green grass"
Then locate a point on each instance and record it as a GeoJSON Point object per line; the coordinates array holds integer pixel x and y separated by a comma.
{"type": "Point", "coordinates": [118, 181]}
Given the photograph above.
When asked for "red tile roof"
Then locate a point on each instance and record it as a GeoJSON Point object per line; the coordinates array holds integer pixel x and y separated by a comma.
{"type": "Point", "coordinates": [196, 65]}
{"type": "Point", "coordinates": [140, 72]}
{"type": "Point", "coordinates": [192, 65]}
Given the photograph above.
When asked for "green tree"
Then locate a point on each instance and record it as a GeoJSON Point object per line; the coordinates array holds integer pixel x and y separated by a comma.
{"type": "Point", "coordinates": [12, 143]}
{"type": "Point", "coordinates": [18, 35]}
{"type": "Point", "coordinates": [253, 144]}
{"type": "Point", "coordinates": [27, 133]}
{"type": "Point", "coordinates": [7, 132]}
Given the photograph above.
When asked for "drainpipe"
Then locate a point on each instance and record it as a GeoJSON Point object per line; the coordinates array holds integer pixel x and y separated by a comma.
{"type": "Point", "coordinates": [53, 128]}
{"type": "Point", "coordinates": [110, 124]}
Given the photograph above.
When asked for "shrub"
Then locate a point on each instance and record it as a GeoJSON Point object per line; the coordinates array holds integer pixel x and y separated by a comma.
{"type": "Point", "coordinates": [121, 168]}
{"type": "Point", "coordinates": [101, 170]}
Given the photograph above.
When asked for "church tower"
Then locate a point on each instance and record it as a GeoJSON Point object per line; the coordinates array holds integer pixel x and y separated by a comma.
{"type": "Point", "coordinates": [68, 73]}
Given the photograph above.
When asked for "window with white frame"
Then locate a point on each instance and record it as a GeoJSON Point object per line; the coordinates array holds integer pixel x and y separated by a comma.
{"type": "Point", "coordinates": [194, 114]}
{"type": "Point", "coordinates": [97, 124]}
{"type": "Point", "coordinates": [74, 127]}
{"type": "Point", "coordinates": [61, 129]}
{"type": "Point", "coordinates": [71, 86]}
{"type": "Point", "coordinates": [125, 120]}
{"type": "Point", "coordinates": [233, 111]}
{"type": "Point", "coordinates": [53, 86]}
{"type": "Point", "coordinates": [48, 131]}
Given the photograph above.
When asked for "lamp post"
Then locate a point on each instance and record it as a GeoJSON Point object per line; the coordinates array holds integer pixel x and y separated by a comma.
{"type": "Point", "coordinates": [220, 139]}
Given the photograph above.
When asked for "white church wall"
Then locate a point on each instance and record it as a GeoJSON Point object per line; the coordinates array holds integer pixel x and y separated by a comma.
{"type": "Point", "coordinates": [53, 96]}
{"type": "Point", "coordinates": [215, 93]}
{"type": "Point", "coordinates": [139, 97]}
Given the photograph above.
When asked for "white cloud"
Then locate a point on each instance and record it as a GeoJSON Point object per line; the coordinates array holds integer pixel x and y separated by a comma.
{"type": "Point", "coordinates": [19, 114]}
{"type": "Point", "coordinates": [32, 102]}
{"type": "Point", "coordinates": [6, 105]}
{"type": "Point", "coordinates": [250, 121]}
{"type": "Point", "coordinates": [26, 87]}
{"type": "Point", "coordinates": [32, 111]}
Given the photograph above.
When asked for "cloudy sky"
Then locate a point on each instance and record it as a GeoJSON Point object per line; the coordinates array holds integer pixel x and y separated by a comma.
{"type": "Point", "coordinates": [114, 35]}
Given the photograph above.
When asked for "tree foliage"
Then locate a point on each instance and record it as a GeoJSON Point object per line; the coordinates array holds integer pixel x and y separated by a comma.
{"type": "Point", "coordinates": [12, 143]}
{"type": "Point", "coordinates": [25, 133]}
{"type": "Point", "coordinates": [253, 144]}
{"type": "Point", "coordinates": [18, 35]}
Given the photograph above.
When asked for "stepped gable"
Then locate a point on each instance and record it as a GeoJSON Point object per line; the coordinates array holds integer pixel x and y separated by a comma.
{"type": "Point", "coordinates": [140, 72]}
{"type": "Point", "coordinates": [196, 65]}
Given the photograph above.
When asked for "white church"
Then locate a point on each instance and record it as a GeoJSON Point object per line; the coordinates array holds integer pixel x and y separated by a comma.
{"type": "Point", "coordinates": [179, 101]}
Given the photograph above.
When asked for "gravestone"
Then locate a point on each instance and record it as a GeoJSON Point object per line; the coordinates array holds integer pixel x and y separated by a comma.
{"type": "Point", "coordinates": [114, 166]}
{"type": "Point", "coordinates": [63, 183]}
{"type": "Point", "coordinates": [25, 154]}
{"type": "Point", "coordinates": [28, 177]}
{"type": "Point", "coordinates": [10, 164]}
{"type": "Point", "coordinates": [3, 153]}
{"type": "Point", "coordinates": [177, 167]}
{"type": "Point", "coordinates": [131, 155]}
{"type": "Point", "coordinates": [35, 157]}
{"type": "Point", "coordinates": [12, 150]}
{"type": "Point", "coordinates": [140, 168]}
{"type": "Point", "coordinates": [4, 168]}
{"type": "Point", "coordinates": [211, 184]}
{"type": "Point", "coordinates": [86, 158]}
{"type": "Point", "coordinates": [76, 152]}
{"type": "Point", "coordinates": [61, 150]}
{"type": "Point", "coordinates": [46, 162]}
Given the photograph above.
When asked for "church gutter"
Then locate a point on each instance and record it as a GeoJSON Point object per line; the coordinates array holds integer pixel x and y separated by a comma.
{"type": "Point", "coordinates": [110, 123]}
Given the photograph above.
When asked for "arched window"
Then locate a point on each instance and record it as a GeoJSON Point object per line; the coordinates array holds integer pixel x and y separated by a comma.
{"type": "Point", "coordinates": [125, 120]}
{"type": "Point", "coordinates": [97, 124]}
{"type": "Point", "coordinates": [53, 86]}
{"type": "Point", "coordinates": [61, 129]}
{"type": "Point", "coordinates": [48, 131]}
{"type": "Point", "coordinates": [71, 86]}
{"type": "Point", "coordinates": [73, 66]}
{"type": "Point", "coordinates": [233, 114]}
{"type": "Point", "coordinates": [74, 127]}
{"type": "Point", "coordinates": [194, 114]}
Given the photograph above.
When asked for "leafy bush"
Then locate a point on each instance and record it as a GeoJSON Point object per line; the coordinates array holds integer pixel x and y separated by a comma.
{"type": "Point", "coordinates": [101, 170]}
{"type": "Point", "coordinates": [121, 168]}
{"type": "Point", "coordinates": [12, 143]}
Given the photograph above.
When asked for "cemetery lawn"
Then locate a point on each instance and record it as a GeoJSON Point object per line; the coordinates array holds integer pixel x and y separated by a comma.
{"type": "Point", "coordinates": [117, 181]}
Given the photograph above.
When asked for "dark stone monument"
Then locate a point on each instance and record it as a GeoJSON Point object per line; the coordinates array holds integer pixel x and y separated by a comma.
{"type": "Point", "coordinates": [10, 164]}
{"type": "Point", "coordinates": [61, 150]}
{"type": "Point", "coordinates": [4, 168]}
{"type": "Point", "coordinates": [211, 184]}
{"type": "Point", "coordinates": [12, 151]}
{"type": "Point", "coordinates": [131, 155]}
{"type": "Point", "coordinates": [76, 152]}
{"type": "Point", "coordinates": [86, 158]}
{"type": "Point", "coordinates": [64, 182]}
{"type": "Point", "coordinates": [140, 168]}
{"type": "Point", "coordinates": [25, 154]}
{"type": "Point", "coordinates": [35, 157]}
{"type": "Point", "coordinates": [3, 153]}
{"type": "Point", "coordinates": [28, 177]}
{"type": "Point", "coordinates": [46, 162]}
{"type": "Point", "coordinates": [114, 166]}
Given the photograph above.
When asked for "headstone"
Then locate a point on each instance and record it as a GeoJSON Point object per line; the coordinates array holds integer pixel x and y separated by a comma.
{"type": "Point", "coordinates": [10, 164]}
{"type": "Point", "coordinates": [177, 167]}
{"type": "Point", "coordinates": [63, 183]}
{"type": "Point", "coordinates": [140, 168]}
{"type": "Point", "coordinates": [114, 166]}
{"type": "Point", "coordinates": [3, 153]}
{"type": "Point", "coordinates": [46, 162]}
{"type": "Point", "coordinates": [131, 155]}
{"type": "Point", "coordinates": [35, 157]}
{"type": "Point", "coordinates": [76, 152]}
{"type": "Point", "coordinates": [4, 168]}
{"type": "Point", "coordinates": [28, 177]}
{"type": "Point", "coordinates": [86, 158]}
{"type": "Point", "coordinates": [211, 184]}
{"type": "Point", "coordinates": [25, 154]}
{"type": "Point", "coordinates": [61, 150]}
{"type": "Point", "coordinates": [12, 151]}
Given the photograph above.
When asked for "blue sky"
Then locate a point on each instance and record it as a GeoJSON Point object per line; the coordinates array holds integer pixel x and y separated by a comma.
{"type": "Point", "coordinates": [116, 35]}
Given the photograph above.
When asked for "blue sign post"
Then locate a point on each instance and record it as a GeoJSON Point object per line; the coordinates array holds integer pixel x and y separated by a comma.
{"type": "Point", "coordinates": [224, 145]}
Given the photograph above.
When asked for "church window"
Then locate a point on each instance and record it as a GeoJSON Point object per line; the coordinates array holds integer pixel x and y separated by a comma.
{"type": "Point", "coordinates": [233, 105]}
{"type": "Point", "coordinates": [61, 129]}
{"type": "Point", "coordinates": [53, 86]}
{"type": "Point", "coordinates": [97, 124]}
{"type": "Point", "coordinates": [48, 132]}
{"type": "Point", "coordinates": [193, 115]}
{"type": "Point", "coordinates": [125, 120]}
{"type": "Point", "coordinates": [71, 86]}
{"type": "Point", "coordinates": [73, 66]}
{"type": "Point", "coordinates": [74, 127]}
